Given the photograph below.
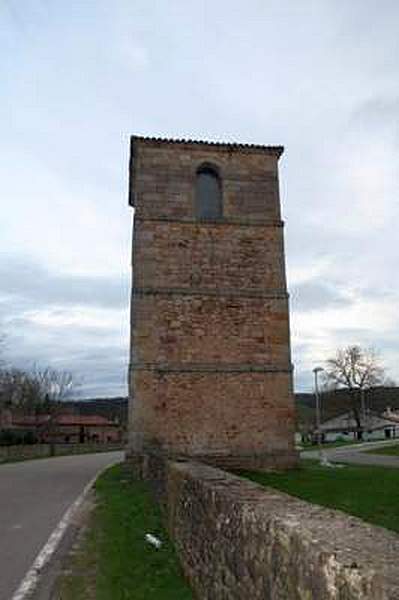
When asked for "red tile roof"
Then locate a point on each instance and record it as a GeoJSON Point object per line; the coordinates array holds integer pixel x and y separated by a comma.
{"type": "Point", "coordinates": [30, 420]}
{"type": "Point", "coordinates": [86, 420]}
{"type": "Point", "coordinates": [67, 420]}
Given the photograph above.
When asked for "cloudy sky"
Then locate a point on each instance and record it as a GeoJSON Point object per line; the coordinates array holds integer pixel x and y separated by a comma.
{"type": "Point", "coordinates": [78, 77]}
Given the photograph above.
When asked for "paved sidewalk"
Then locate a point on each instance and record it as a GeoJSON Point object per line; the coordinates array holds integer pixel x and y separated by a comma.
{"type": "Point", "coordinates": [357, 454]}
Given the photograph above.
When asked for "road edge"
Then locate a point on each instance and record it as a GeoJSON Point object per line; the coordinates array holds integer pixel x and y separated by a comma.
{"type": "Point", "coordinates": [31, 580]}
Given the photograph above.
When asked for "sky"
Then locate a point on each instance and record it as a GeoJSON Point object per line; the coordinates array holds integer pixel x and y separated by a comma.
{"type": "Point", "coordinates": [78, 78]}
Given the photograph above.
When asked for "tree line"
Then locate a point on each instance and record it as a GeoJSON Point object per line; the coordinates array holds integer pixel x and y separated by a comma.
{"type": "Point", "coordinates": [33, 390]}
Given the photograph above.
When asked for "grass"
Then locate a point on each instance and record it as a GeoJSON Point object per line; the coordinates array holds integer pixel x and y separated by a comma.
{"type": "Point", "coordinates": [336, 444]}
{"type": "Point", "coordinates": [113, 560]}
{"type": "Point", "coordinates": [371, 493]}
{"type": "Point", "coordinates": [339, 443]}
{"type": "Point", "coordinates": [387, 450]}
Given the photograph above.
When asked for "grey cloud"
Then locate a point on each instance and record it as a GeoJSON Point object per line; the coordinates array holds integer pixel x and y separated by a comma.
{"type": "Point", "coordinates": [20, 324]}
{"type": "Point", "coordinates": [96, 355]}
{"type": "Point", "coordinates": [317, 295]}
{"type": "Point", "coordinates": [303, 381]}
{"type": "Point", "coordinates": [99, 371]}
{"type": "Point", "coordinates": [383, 344]}
{"type": "Point", "coordinates": [356, 334]}
{"type": "Point", "coordinates": [102, 374]}
{"type": "Point", "coordinates": [339, 57]}
{"type": "Point", "coordinates": [29, 284]}
{"type": "Point", "coordinates": [29, 338]}
{"type": "Point", "coordinates": [378, 113]}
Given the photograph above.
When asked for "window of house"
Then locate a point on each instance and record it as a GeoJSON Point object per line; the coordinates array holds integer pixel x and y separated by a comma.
{"type": "Point", "coordinates": [208, 194]}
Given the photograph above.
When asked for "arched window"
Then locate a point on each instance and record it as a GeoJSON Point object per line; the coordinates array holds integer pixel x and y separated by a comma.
{"type": "Point", "coordinates": [208, 194]}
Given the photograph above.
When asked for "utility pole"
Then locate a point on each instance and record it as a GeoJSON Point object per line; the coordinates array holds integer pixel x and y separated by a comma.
{"type": "Point", "coordinates": [364, 416]}
{"type": "Point", "coordinates": [316, 371]}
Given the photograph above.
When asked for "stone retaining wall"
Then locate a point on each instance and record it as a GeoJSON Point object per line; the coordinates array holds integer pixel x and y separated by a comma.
{"type": "Point", "coordinates": [237, 540]}
{"type": "Point", "coordinates": [21, 452]}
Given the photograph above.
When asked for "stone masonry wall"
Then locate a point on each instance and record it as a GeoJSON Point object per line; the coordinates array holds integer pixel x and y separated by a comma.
{"type": "Point", "coordinates": [209, 330]}
{"type": "Point", "coordinates": [237, 540]}
{"type": "Point", "coordinates": [167, 170]}
{"type": "Point", "coordinates": [212, 257]}
{"type": "Point", "coordinates": [239, 401]}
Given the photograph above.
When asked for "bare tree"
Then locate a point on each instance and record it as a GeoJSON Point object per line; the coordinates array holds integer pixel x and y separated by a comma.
{"type": "Point", "coordinates": [55, 385]}
{"type": "Point", "coordinates": [2, 397]}
{"type": "Point", "coordinates": [19, 389]}
{"type": "Point", "coordinates": [356, 369]}
{"type": "Point", "coordinates": [2, 344]}
{"type": "Point", "coordinates": [37, 389]}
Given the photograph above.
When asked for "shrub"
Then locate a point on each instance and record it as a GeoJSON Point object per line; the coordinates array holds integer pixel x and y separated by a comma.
{"type": "Point", "coordinates": [9, 437]}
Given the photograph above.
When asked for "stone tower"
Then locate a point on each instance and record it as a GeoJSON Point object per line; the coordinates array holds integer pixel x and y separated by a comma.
{"type": "Point", "coordinates": [210, 370]}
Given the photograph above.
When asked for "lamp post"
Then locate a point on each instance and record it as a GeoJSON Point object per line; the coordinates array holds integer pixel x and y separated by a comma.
{"type": "Point", "coordinates": [316, 371]}
{"type": "Point", "coordinates": [364, 417]}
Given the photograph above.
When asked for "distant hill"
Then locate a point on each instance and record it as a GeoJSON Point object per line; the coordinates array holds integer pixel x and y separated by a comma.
{"type": "Point", "coordinates": [111, 408]}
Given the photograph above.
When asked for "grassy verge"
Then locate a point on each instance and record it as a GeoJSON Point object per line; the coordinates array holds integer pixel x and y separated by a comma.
{"type": "Point", "coordinates": [371, 493]}
{"type": "Point", "coordinates": [113, 560]}
{"type": "Point", "coordinates": [387, 450]}
{"type": "Point", "coordinates": [326, 445]}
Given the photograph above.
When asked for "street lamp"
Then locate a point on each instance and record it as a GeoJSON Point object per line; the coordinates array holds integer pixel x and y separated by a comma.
{"type": "Point", "coordinates": [316, 371]}
{"type": "Point", "coordinates": [364, 415]}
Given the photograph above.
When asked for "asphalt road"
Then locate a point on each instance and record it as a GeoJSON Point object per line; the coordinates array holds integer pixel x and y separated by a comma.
{"type": "Point", "coordinates": [33, 498]}
{"type": "Point", "coordinates": [358, 454]}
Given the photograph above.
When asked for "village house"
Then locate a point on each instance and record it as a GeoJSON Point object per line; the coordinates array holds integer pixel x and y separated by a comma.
{"type": "Point", "coordinates": [62, 428]}
{"type": "Point", "coordinates": [375, 426]}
